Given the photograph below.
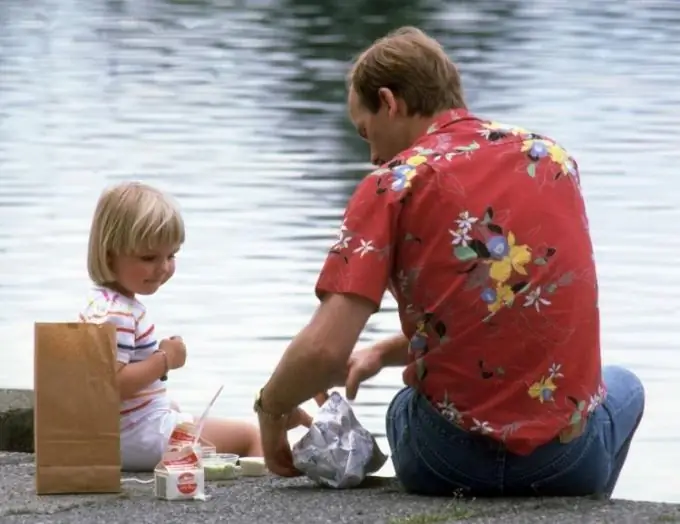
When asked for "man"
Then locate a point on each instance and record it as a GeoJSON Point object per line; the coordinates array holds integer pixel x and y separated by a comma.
{"type": "Point", "coordinates": [479, 231]}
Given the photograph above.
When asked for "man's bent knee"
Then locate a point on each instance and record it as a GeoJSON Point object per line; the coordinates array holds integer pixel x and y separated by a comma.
{"type": "Point", "coordinates": [626, 387]}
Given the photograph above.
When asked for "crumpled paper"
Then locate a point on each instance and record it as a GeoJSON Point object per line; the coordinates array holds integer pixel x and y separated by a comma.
{"type": "Point", "coordinates": [337, 451]}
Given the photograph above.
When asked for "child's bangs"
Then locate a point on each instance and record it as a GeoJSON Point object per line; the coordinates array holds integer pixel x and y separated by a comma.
{"type": "Point", "coordinates": [161, 226]}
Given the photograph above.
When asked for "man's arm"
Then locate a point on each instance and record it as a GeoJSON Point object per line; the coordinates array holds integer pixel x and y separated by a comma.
{"type": "Point", "coordinates": [393, 351]}
{"type": "Point", "coordinates": [350, 287]}
{"type": "Point", "coordinates": [317, 358]}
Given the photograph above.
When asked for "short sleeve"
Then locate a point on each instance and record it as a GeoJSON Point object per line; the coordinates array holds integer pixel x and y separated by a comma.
{"type": "Point", "coordinates": [360, 260]}
{"type": "Point", "coordinates": [100, 310]}
{"type": "Point", "coordinates": [145, 334]}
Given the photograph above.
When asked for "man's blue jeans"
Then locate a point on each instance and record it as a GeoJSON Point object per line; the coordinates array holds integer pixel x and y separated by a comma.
{"type": "Point", "coordinates": [434, 457]}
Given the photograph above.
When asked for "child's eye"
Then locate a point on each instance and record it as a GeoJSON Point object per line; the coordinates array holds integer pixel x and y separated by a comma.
{"type": "Point", "coordinates": [148, 258]}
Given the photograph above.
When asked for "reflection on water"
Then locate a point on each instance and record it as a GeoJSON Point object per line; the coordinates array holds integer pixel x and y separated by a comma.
{"type": "Point", "coordinates": [239, 111]}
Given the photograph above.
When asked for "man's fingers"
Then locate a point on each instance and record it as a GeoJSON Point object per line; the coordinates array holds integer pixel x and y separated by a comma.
{"type": "Point", "coordinates": [352, 384]}
{"type": "Point", "coordinates": [281, 463]}
{"type": "Point", "coordinates": [287, 473]}
{"type": "Point", "coordinates": [299, 418]}
{"type": "Point", "coordinates": [282, 469]}
{"type": "Point", "coordinates": [321, 398]}
{"type": "Point", "coordinates": [305, 419]}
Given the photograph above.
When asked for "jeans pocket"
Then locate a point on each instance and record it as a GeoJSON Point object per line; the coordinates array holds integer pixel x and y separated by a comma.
{"type": "Point", "coordinates": [419, 470]}
{"type": "Point", "coordinates": [580, 471]}
{"type": "Point", "coordinates": [433, 455]}
{"type": "Point", "coordinates": [451, 466]}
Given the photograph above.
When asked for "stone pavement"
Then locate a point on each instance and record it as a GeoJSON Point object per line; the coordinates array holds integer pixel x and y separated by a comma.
{"type": "Point", "coordinates": [271, 500]}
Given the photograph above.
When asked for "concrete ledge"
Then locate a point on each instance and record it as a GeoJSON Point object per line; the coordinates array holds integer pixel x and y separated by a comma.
{"type": "Point", "coordinates": [16, 420]}
{"type": "Point", "coordinates": [15, 399]}
{"type": "Point", "coordinates": [274, 500]}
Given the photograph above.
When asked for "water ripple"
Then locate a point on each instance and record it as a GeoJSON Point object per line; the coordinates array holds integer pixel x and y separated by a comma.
{"type": "Point", "coordinates": [240, 112]}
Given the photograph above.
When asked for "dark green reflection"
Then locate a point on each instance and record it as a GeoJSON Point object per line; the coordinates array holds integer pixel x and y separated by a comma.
{"type": "Point", "coordinates": [325, 36]}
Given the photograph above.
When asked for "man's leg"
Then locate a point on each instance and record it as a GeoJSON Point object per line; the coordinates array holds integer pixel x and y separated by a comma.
{"type": "Point", "coordinates": [624, 406]}
{"type": "Point", "coordinates": [432, 456]}
{"type": "Point", "coordinates": [590, 464]}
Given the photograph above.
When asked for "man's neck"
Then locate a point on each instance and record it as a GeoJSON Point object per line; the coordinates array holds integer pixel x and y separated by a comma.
{"type": "Point", "coordinates": [421, 124]}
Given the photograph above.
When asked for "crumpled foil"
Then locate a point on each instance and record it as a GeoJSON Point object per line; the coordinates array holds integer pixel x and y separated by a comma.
{"type": "Point", "coordinates": [337, 451]}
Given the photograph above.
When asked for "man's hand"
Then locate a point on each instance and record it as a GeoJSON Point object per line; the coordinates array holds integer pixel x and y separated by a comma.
{"type": "Point", "coordinates": [362, 365]}
{"type": "Point", "coordinates": [274, 435]}
{"type": "Point", "coordinates": [299, 417]}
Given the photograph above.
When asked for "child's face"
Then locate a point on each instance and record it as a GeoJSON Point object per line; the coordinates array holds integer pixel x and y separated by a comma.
{"type": "Point", "coordinates": [144, 272]}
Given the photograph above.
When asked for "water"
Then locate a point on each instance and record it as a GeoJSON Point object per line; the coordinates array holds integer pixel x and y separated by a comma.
{"type": "Point", "coordinates": [238, 109]}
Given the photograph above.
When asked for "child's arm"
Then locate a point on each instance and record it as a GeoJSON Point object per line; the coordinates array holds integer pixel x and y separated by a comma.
{"type": "Point", "coordinates": [134, 377]}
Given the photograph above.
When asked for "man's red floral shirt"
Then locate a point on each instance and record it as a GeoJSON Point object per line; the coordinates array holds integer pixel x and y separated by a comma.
{"type": "Point", "coordinates": [479, 231]}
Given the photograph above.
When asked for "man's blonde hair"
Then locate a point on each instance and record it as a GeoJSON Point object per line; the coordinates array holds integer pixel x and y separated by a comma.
{"type": "Point", "coordinates": [130, 218]}
{"type": "Point", "coordinates": [414, 67]}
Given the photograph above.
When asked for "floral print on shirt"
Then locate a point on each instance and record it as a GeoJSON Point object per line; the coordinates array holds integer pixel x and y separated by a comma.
{"type": "Point", "coordinates": [480, 233]}
{"type": "Point", "coordinates": [498, 263]}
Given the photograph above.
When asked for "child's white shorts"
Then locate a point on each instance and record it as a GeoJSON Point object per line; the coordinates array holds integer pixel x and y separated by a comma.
{"type": "Point", "coordinates": [144, 434]}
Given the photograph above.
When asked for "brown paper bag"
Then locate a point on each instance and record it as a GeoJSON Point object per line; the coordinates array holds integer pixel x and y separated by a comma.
{"type": "Point", "coordinates": [77, 409]}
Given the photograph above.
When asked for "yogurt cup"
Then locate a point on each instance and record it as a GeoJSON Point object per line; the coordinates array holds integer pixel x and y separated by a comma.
{"type": "Point", "coordinates": [221, 466]}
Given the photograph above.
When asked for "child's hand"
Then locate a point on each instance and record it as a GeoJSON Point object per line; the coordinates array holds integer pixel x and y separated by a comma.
{"type": "Point", "coordinates": [175, 350]}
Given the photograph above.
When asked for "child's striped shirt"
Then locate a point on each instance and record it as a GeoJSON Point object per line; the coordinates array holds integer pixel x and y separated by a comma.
{"type": "Point", "coordinates": [135, 334]}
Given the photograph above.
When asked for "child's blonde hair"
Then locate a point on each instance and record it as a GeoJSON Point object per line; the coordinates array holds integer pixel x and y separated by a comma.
{"type": "Point", "coordinates": [129, 218]}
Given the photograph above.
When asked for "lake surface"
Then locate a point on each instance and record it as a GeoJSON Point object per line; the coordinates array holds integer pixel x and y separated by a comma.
{"type": "Point", "coordinates": [237, 108]}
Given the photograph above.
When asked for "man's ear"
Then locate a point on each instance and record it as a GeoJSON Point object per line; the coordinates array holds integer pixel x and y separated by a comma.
{"type": "Point", "coordinates": [389, 101]}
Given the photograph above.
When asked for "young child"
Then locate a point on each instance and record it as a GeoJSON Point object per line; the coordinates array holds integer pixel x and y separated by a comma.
{"type": "Point", "coordinates": [136, 233]}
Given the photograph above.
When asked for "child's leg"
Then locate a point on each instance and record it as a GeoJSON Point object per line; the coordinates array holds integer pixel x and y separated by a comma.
{"type": "Point", "coordinates": [233, 436]}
